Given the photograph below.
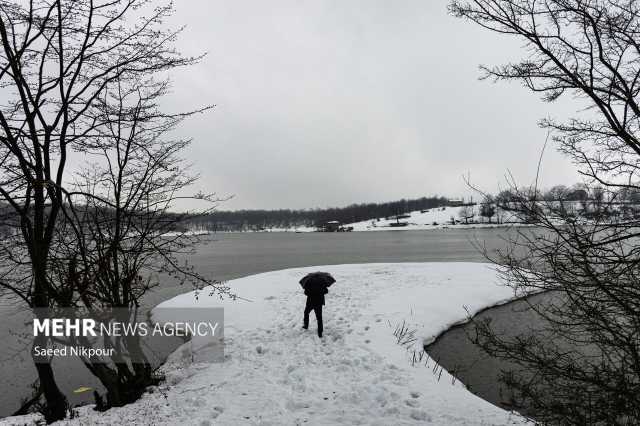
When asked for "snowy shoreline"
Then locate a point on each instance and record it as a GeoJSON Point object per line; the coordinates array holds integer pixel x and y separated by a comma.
{"type": "Point", "coordinates": [276, 373]}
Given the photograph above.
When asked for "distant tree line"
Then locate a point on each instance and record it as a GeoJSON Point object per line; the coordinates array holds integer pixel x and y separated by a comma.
{"type": "Point", "coordinates": [489, 208]}
{"type": "Point", "coordinates": [254, 220]}
{"type": "Point", "coordinates": [243, 220]}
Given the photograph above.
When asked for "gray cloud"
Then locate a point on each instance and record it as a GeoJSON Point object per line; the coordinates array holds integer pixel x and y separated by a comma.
{"type": "Point", "coordinates": [326, 103]}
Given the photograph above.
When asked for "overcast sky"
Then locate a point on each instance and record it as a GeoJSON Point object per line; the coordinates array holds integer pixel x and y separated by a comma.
{"type": "Point", "coordinates": [328, 103]}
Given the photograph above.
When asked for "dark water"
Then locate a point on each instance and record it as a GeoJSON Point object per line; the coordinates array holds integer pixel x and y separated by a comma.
{"type": "Point", "coordinates": [229, 256]}
{"type": "Point", "coordinates": [480, 372]}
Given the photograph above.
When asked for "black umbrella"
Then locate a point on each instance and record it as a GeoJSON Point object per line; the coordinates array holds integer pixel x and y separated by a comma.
{"type": "Point", "coordinates": [317, 279]}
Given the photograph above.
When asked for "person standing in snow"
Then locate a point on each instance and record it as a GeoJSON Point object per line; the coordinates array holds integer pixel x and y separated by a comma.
{"type": "Point", "coordinates": [315, 301]}
{"type": "Point", "coordinates": [315, 287]}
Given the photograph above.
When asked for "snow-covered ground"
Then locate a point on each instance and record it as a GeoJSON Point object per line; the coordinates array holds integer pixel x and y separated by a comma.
{"type": "Point", "coordinates": [276, 373]}
{"type": "Point", "coordinates": [435, 218]}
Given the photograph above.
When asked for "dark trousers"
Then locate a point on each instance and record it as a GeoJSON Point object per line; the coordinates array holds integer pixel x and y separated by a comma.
{"type": "Point", "coordinates": [318, 311]}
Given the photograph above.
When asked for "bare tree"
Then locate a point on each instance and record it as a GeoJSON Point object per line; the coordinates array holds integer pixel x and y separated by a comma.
{"type": "Point", "coordinates": [488, 208]}
{"type": "Point", "coordinates": [120, 234]}
{"type": "Point", "coordinates": [556, 193]}
{"type": "Point", "coordinates": [58, 61]}
{"type": "Point", "coordinates": [466, 212]}
{"type": "Point", "coordinates": [585, 361]}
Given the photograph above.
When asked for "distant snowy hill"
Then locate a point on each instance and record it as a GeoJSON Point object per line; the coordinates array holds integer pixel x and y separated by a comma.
{"type": "Point", "coordinates": [435, 218]}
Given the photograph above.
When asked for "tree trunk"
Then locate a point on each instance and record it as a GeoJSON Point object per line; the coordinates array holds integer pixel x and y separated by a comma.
{"type": "Point", "coordinates": [123, 385]}
{"type": "Point", "coordinates": [56, 402]}
{"type": "Point", "coordinates": [56, 407]}
{"type": "Point", "coordinates": [111, 382]}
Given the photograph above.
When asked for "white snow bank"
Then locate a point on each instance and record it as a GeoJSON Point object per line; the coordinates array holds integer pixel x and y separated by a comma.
{"type": "Point", "coordinates": [276, 373]}
{"type": "Point", "coordinates": [436, 218]}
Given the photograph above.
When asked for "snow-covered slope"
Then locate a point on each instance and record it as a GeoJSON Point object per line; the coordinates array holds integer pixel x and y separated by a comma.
{"type": "Point", "coordinates": [276, 373]}
{"type": "Point", "coordinates": [436, 218]}
{"type": "Point", "coordinates": [432, 219]}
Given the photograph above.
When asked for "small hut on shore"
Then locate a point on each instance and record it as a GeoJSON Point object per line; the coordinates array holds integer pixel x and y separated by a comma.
{"type": "Point", "coordinates": [331, 226]}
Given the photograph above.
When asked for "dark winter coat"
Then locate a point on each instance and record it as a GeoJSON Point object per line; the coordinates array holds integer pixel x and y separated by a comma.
{"type": "Point", "coordinates": [315, 295]}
